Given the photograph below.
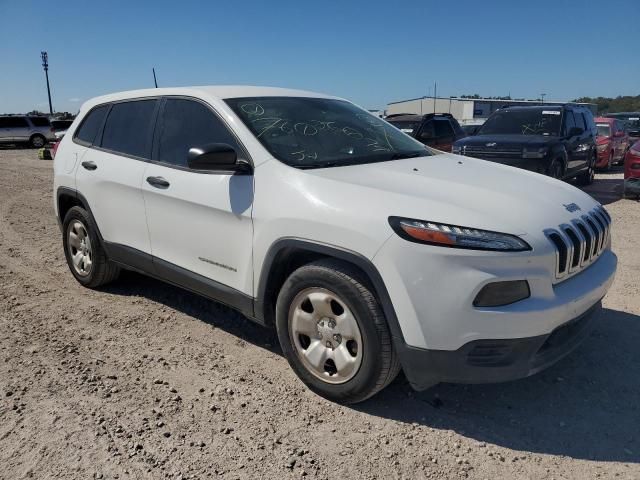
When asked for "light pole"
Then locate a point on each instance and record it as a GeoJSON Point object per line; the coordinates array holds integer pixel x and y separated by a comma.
{"type": "Point", "coordinates": [542, 95]}
{"type": "Point", "coordinates": [45, 65]}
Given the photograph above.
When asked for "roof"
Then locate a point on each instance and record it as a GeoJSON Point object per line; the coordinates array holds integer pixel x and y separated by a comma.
{"type": "Point", "coordinates": [217, 91]}
{"type": "Point", "coordinates": [496, 100]}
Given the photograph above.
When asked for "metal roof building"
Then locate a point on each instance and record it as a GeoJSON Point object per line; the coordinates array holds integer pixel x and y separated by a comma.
{"type": "Point", "coordinates": [465, 110]}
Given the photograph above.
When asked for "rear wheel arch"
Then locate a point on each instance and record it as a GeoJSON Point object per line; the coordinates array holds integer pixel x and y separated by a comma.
{"type": "Point", "coordinates": [68, 198]}
{"type": "Point", "coordinates": [288, 254]}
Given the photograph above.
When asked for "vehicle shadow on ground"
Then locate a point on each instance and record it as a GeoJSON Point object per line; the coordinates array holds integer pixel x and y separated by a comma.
{"type": "Point", "coordinates": [196, 306]}
{"type": "Point", "coordinates": [586, 407]}
{"type": "Point", "coordinates": [606, 188]}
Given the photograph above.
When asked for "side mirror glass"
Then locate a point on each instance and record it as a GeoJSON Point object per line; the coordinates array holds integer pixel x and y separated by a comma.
{"type": "Point", "coordinates": [214, 156]}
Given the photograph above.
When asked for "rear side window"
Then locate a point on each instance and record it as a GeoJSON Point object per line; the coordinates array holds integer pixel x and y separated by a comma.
{"type": "Point", "coordinates": [443, 128]}
{"type": "Point", "coordinates": [128, 128]}
{"type": "Point", "coordinates": [579, 120]}
{"type": "Point", "coordinates": [185, 124]}
{"type": "Point", "coordinates": [39, 121]}
{"type": "Point", "coordinates": [569, 121]}
{"type": "Point", "coordinates": [91, 124]}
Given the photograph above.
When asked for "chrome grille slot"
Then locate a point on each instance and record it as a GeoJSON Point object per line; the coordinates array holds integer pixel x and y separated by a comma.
{"type": "Point", "coordinates": [580, 243]}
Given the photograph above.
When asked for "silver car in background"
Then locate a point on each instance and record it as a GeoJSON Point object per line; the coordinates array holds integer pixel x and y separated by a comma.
{"type": "Point", "coordinates": [36, 131]}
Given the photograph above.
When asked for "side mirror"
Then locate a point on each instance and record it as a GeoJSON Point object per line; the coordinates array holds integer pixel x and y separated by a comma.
{"type": "Point", "coordinates": [216, 157]}
{"type": "Point", "coordinates": [576, 131]}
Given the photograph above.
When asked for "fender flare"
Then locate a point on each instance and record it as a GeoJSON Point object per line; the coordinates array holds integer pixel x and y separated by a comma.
{"type": "Point", "coordinates": [361, 262]}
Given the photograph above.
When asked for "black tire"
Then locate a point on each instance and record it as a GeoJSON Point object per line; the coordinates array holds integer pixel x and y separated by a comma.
{"type": "Point", "coordinates": [379, 364]}
{"type": "Point", "coordinates": [102, 270]}
{"type": "Point", "coordinates": [609, 162]}
{"type": "Point", "coordinates": [555, 169]}
{"type": "Point", "coordinates": [37, 141]}
{"type": "Point", "coordinates": [586, 178]}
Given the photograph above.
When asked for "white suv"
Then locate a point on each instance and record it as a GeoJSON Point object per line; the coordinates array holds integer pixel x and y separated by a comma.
{"type": "Point", "coordinates": [367, 251]}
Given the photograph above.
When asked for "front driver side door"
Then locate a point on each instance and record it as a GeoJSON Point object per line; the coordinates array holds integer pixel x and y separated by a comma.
{"type": "Point", "coordinates": [199, 222]}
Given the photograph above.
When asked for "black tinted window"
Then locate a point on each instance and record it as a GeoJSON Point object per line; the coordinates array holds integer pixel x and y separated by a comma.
{"type": "Point", "coordinates": [91, 124]}
{"type": "Point", "coordinates": [39, 121]}
{"type": "Point", "coordinates": [523, 121]}
{"type": "Point", "coordinates": [443, 128]}
{"type": "Point", "coordinates": [579, 120]}
{"type": "Point", "coordinates": [15, 122]}
{"type": "Point", "coordinates": [569, 121]}
{"type": "Point", "coordinates": [128, 128]}
{"type": "Point", "coordinates": [186, 124]}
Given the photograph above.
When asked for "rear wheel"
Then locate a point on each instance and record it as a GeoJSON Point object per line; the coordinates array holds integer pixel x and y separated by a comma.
{"type": "Point", "coordinates": [333, 332]}
{"type": "Point", "coordinates": [84, 253]}
{"type": "Point", "coordinates": [37, 141]}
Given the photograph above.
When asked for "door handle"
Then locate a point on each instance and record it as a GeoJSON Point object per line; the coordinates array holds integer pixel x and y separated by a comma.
{"type": "Point", "coordinates": [158, 182]}
{"type": "Point", "coordinates": [89, 165]}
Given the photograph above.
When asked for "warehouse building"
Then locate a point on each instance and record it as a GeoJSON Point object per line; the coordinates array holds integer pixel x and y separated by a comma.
{"type": "Point", "coordinates": [465, 110]}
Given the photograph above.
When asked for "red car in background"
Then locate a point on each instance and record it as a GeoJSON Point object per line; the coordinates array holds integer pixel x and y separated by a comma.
{"type": "Point", "coordinates": [632, 172]}
{"type": "Point", "coordinates": [612, 142]}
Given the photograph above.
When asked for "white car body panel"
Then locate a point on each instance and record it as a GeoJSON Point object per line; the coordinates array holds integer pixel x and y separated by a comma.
{"type": "Point", "coordinates": [431, 288]}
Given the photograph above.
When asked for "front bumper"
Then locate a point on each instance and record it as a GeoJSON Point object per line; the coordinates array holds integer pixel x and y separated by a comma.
{"type": "Point", "coordinates": [498, 360]}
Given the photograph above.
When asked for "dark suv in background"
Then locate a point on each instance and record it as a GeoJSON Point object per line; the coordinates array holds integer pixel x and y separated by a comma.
{"type": "Point", "coordinates": [559, 141]}
{"type": "Point", "coordinates": [437, 130]}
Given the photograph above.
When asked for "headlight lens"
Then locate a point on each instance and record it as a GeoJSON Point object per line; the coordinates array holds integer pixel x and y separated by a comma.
{"type": "Point", "coordinates": [456, 149]}
{"type": "Point", "coordinates": [444, 235]}
{"type": "Point", "coordinates": [535, 152]}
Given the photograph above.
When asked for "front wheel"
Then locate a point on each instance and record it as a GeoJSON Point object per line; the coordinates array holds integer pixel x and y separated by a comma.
{"type": "Point", "coordinates": [586, 178]}
{"type": "Point", "coordinates": [334, 333]}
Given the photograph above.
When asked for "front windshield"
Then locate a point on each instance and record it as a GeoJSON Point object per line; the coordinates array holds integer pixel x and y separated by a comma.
{"type": "Point", "coordinates": [307, 132]}
{"type": "Point", "coordinates": [534, 121]}
{"type": "Point", "coordinates": [604, 130]}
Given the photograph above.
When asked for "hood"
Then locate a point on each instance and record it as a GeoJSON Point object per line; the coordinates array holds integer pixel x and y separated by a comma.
{"type": "Point", "coordinates": [460, 191]}
{"type": "Point", "coordinates": [508, 140]}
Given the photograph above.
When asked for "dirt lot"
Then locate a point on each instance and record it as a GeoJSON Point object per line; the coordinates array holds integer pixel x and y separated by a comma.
{"type": "Point", "coordinates": [144, 380]}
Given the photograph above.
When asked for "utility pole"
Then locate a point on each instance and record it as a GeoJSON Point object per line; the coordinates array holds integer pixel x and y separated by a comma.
{"type": "Point", "coordinates": [435, 96]}
{"type": "Point", "coordinates": [542, 95]}
{"type": "Point", "coordinates": [154, 76]}
{"type": "Point", "coordinates": [45, 65]}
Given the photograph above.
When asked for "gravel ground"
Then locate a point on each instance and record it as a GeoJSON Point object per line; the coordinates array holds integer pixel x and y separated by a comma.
{"type": "Point", "coordinates": [144, 380]}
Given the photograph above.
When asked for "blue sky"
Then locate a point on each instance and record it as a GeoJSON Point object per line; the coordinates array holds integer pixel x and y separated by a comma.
{"type": "Point", "coordinates": [371, 52]}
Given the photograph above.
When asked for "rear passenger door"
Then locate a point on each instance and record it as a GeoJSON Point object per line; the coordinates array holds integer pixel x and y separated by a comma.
{"type": "Point", "coordinates": [110, 174]}
{"type": "Point", "coordinates": [199, 221]}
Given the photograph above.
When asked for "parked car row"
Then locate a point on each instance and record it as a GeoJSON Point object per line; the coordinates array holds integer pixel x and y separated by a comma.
{"type": "Point", "coordinates": [632, 172]}
{"type": "Point", "coordinates": [560, 141]}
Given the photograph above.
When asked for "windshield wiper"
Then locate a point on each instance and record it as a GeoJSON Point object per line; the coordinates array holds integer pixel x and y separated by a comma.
{"type": "Point", "coordinates": [308, 166]}
{"type": "Point", "coordinates": [400, 156]}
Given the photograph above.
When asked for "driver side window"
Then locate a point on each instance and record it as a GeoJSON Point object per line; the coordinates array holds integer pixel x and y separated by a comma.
{"type": "Point", "coordinates": [569, 121]}
{"type": "Point", "coordinates": [185, 124]}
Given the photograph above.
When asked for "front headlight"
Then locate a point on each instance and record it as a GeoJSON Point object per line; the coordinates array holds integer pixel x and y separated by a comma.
{"type": "Point", "coordinates": [457, 149]}
{"type": "Point", "coordinates": [603, 147]}
{"type": "Point", "coordinates": [535, 152]}
{"type": "Point", "coordinates": [444, 235]}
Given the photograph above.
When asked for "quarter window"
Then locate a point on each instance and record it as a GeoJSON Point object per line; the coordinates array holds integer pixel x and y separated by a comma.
{"type": "Point", "coordinates": [91, 124]}
{"type": "Point", "coordinates": [40, 121]}
{"type": "Point", "coordinates": [185, 124]}
{"type": "Point", "coordinates": [128, 128]}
